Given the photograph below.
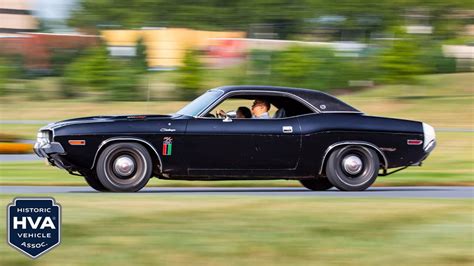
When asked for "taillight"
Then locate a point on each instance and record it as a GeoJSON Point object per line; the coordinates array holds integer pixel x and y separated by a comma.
{"type": "Point", "coordinates": [414, 142]}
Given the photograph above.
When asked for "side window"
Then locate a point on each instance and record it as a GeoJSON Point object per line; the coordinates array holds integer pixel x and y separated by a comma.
{"type": "Point", "coordinates": [245, 106]}
{"type": "Point", "coordinates": [289, 107]}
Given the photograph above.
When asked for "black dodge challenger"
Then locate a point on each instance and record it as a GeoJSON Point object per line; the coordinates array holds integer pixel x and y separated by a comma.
{"type": "Point", "coordinates": [308, 135]}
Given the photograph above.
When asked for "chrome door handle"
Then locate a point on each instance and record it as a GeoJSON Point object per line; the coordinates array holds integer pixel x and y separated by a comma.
{"type": "Point", "coordinates": [287, 129]}
{"type": "Point", "coordinates": [227, 119]}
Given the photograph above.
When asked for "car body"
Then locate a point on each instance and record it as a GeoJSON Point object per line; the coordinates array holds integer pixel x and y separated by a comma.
{"type": "Point", "coordinates": [299, 142]}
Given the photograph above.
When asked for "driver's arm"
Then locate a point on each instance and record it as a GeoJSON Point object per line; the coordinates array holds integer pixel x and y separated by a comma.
{"type": "Point", "coordinates": [221, 113]}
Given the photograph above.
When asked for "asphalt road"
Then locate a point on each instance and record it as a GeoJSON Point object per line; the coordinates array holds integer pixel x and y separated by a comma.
{"type": "Point", "coordinates": [390, 192]}
{"type": "Point", "coordinates": [19, 157]}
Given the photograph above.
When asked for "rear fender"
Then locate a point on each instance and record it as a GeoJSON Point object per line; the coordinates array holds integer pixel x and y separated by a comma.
{"type": "Point", "coordinates": [382, 157]}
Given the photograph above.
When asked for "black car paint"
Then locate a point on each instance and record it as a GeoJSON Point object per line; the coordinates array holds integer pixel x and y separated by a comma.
{"type": "Point", "coordinates": [209, 148]}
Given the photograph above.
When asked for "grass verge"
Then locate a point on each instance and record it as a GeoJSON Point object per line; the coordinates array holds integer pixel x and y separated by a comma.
{"type": "Point", "coordinates": [217, 230]}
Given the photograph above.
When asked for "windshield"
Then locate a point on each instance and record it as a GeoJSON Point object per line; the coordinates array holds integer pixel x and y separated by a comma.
{"type": "Point", "coordinates": [201, 102]}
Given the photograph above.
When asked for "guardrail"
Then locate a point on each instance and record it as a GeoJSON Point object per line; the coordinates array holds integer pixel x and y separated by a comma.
{"type": "Point", "coordinates": [15, 148]}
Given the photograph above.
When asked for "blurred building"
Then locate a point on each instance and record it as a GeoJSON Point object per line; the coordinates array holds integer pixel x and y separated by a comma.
{"type": "Point", "coordinates": [37, 49]}
{"type": "Point", "coordinates": [464, 55]}
{"type": "Point", "coordinates": [16, 16]}
{"type": "Point", "coordinates": [34, 50]}
{"type": "Point", "coordinates": [165, 46]}
{"type": "Point", "coordinates": [226, 51]}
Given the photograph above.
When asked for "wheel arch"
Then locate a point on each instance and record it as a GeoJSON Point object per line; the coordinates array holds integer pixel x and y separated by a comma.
{"type": "Point", "coordinates": [382, 157]}
{"type": "Point", "coordinates": [152, 150]}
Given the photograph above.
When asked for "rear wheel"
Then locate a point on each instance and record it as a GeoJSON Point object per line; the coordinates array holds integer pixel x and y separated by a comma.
{"type": "Point", "coordinates": [124, 167]}
{"type": "Point", "coordinates": [352, 168]}
{"type": "Point", "coordinates": [317, 184]}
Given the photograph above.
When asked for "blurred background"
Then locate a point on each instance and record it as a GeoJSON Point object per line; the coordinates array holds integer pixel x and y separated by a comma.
{"type": "Point", "coordinates": [60, 59]}
{"type": "Point", "coordinates": [409, 59]}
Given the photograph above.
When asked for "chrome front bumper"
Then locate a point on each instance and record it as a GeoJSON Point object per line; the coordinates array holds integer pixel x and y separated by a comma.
{"type": "Point", "coordinates": [45, 150]}
{"type": "Point", "coordinates": [52, 151]}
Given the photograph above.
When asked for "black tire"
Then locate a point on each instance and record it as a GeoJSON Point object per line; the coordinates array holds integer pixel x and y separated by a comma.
{"type": "Point", "coordinates": [317, 184]}
{"type": "Point", "coordinates": [342, 174]}
{"type": "Point", "coordinates": [111, 172]}
{"type": "Point", "coordinates": [93, 182]}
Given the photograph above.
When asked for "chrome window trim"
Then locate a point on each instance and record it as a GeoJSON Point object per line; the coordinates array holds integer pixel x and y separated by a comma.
{"type": "Point", "coordinates": [283, 118]}
{"type": "Point", "coordinates": [103, 143]}
{"type": "Point", "coordinates": [355, 142]}
{"type": "Point", "coordinates": [342, 112]}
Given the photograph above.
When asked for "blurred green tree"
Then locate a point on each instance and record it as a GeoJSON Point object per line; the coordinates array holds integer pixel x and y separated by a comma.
{"type": "Point", "coordinates": [401, 62]}
{"type": "Point", "coordinates": [11, 68]}
{"type": "Point", "coordinates": [286, 18]}
{"type": "Point", "coordinates": [90, 71]}
{"type": "Point", "coordinates": [124, 82]}
{"type": "Point", "coordinates": [304, 66]}
{"type": "Point", "coordinates": [294, 65]}
{"type": "Point", "coordinates": [5, 73]}
{"type": "Point", "coordinates": [190, 75]}
{"type": "Point", "coordinates": [434, 60]}
{"type": "Point", "coordinates": [116, 79]}
{"type": "Point", "coordinates": [140, 59]}
{"type": "Point", "coordinates": [60, 58]}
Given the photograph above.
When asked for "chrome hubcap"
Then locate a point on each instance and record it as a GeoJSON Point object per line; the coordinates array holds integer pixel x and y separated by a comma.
{"type": "Point", "coordinates": [124, 165]}
{"type": "Point", "coordinates": [352, 164]}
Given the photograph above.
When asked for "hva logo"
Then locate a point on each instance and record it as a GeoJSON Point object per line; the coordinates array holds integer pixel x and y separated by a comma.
{"type": "Point", "coordinates": [34, 225]}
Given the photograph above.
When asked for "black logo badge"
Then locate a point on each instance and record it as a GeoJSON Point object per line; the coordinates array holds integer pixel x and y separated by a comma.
{"type": "Point", "coordinates": [34, 225]}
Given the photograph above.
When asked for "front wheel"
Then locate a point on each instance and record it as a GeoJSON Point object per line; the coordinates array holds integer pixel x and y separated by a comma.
{"type": "Point", "coordinates": [316, 184]}
{"type": "Point", "coordinates": [93, 181]}
{"type": "Point", "coordinates": [124, 167]}
{"type": "Point", "coordinates": [352, 168]}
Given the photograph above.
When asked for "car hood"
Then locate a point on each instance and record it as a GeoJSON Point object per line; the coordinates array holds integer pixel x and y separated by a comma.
{"type": "Point", "coordinates": [104, 119]}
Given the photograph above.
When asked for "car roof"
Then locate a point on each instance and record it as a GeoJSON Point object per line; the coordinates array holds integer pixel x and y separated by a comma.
{"type": "Point", "coordinates": [321, 101]}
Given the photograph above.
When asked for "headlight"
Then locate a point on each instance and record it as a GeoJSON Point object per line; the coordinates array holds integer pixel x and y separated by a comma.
{"type": "Point", "coordinates": [43, 137]}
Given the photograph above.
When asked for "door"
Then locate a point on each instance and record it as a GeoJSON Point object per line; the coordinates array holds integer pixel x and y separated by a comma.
{"type": "Point", "coordinates": [234, 145]}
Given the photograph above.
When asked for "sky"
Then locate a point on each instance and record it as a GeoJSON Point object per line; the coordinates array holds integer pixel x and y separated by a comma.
{"type": "Point", "coordinates": [52, 9]}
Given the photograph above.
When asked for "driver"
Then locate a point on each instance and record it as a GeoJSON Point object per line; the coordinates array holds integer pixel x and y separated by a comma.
{"type": "Point", "coordinates": [260, 108]}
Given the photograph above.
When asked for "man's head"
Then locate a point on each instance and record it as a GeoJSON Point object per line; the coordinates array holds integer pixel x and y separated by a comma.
{"type": "Point", "coordinates": [243, 112]}
{"type": "Point", "coordinates": [260, 106]}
